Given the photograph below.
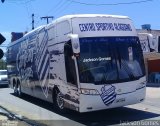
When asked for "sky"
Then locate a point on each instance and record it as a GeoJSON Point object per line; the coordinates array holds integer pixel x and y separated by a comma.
{"type": "Point", "coordinates": [16, 15]}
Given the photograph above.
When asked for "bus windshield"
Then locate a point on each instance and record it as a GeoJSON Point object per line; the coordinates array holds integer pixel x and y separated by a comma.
{"type": "Point", "coordinates": [105, 60]}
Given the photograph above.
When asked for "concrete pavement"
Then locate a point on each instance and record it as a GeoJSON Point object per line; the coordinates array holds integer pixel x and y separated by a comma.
{"type": "Point", "coordinates": [3, 118]}
{"type": "Point", "coordinates": [149, 109]}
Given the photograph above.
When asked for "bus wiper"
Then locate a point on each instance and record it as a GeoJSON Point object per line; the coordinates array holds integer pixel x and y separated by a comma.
{"type": "Point", "coordinates": [102, 81]}
{"type": "Point", "coordinates": [132, 77]}
{"type": "Point", "coordinates": [119, 59]}
{"type": "Point", "coordinates": [97, 82]}
{"type": "Point", "coordinates": [128, 71]}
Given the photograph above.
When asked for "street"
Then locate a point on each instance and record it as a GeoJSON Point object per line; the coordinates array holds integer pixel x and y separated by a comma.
{"type": "Point", "coordinates": [44, 112]}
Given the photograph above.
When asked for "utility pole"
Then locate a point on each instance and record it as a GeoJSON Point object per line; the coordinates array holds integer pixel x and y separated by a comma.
{"type": "Point", "coordinates": [47, 17]}
{"type": "Point", "coordinates": [32, 21]}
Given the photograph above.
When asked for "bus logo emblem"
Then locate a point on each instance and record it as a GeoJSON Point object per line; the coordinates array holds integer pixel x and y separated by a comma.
{"type": "Point", "coordinates": [108, 94]}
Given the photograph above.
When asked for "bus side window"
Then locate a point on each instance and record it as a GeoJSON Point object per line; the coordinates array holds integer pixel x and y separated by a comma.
{"type": "Point", "coordinates": [69, 63]}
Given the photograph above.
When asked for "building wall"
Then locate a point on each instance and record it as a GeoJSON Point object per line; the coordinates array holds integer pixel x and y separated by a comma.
{"type": "Point", "coordinates": [152, 59]}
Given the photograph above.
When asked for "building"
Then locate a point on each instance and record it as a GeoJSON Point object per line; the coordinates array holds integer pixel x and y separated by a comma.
{"type": "Point", "coordinates": [152, 59]}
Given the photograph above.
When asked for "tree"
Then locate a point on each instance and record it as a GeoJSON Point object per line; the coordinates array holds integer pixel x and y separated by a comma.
{"type": "Point", "coordinates": [3, 65]}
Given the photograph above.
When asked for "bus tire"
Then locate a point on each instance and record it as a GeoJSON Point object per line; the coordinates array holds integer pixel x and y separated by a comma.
{"type": "Point", "coordinates": [15, 87]}
{"type": "Point", "coordinates": [19, 92]}
{"type": "Point", "coordinates": [58, 100]}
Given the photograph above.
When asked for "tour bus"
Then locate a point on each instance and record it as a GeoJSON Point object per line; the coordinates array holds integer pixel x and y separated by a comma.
{"type": "Point", "coordinates": [84, 62]}
{"type": "Point", "coordinates": [148, 42]}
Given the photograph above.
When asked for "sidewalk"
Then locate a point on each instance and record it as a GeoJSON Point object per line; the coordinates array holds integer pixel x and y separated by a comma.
{"type": "Point", "coordinates": [2, 115]}
{"type": "Point", "coordinates": [2, 118]}
{"type": "Point", "coordinates": [8, 118]}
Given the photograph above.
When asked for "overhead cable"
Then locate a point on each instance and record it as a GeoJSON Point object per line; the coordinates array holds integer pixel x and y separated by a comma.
{"type": "Point", "coordinates": [110, 4]}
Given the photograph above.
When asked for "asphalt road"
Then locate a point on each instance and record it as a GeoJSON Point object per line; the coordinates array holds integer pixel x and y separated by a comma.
{"type": "Point", "coordinates": [44, 112]}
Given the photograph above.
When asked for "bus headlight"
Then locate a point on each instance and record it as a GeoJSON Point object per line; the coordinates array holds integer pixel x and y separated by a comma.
{"type": "Point", "coordinates": [89, 91]}
{"type": "Point", "coordinates": [141, 85]}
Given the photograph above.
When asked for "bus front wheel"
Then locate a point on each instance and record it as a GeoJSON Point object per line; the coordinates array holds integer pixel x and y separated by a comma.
{"type": "Point", "coordinates": [58, 100]}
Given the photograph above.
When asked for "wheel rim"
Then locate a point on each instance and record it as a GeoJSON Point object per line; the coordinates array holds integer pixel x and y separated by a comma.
{"type": "Point", "coordinates": [19, 90]}
{"type": "Point", "coordinates": [14, 88]}
{"type": "Point", "coordinates": [60, 102]}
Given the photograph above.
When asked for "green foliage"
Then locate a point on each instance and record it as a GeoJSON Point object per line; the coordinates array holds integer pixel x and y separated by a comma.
{"type": "Point", "coordinates": [1, 53]}
{"type": "Point", "coordinates": [3, 64]}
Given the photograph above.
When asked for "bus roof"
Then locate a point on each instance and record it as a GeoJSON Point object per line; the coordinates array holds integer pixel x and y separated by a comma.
{"type": "Point", "coordinates": [89, 15]}
{"type": "Point", "coordinates": [67, 17]}
{"type": "Point", "coordinates": [36, 29]}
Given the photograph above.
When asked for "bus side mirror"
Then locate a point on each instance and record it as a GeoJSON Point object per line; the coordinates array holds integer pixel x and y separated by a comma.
{"type": "Point", "coordinates": [75, 43]}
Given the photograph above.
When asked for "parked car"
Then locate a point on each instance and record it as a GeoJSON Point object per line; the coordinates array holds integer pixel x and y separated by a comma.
{"type": "Point", "coordinates": [3, 78]}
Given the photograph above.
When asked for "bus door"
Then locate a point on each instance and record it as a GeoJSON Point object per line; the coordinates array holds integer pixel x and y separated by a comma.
{"type": "Point", "coordinates": [72, 97]}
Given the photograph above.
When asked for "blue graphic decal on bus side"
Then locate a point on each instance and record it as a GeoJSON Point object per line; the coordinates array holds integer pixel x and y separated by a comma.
{"type": "Point", "coordinates": [24, 61]}
{"type": "Point", "coordinates": [108, 94]}
{"type": "Point", "coordinates": [42, 61]}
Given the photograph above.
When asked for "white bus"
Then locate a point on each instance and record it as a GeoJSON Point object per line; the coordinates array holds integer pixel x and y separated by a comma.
{"type": "Point", "coordinates": [82, 62]}
{"type": "Point", "coordinates": [149, 43]}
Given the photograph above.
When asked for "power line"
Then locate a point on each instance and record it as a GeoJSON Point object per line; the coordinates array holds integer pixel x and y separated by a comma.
{"type": "Point", "coordinates": [54, 8]}
{"type": "Point", "coordinates": [111, 4]}
{"type": "Point", "coordinates": [19, 1]}
{"type": "Point", "coordinates": [3, 45]}
{"type": "Point", "coordinates": [62, 8]}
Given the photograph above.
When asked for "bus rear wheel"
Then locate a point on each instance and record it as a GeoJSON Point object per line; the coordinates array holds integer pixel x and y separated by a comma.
{"type": "Point", "coordinates": [19, 92]}
{"type": "Point", "coordinates": [15, 89]}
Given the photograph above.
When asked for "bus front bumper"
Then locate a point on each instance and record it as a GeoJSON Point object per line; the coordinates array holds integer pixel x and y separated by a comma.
{"type": "Point", "coordinates": [94, 102]}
